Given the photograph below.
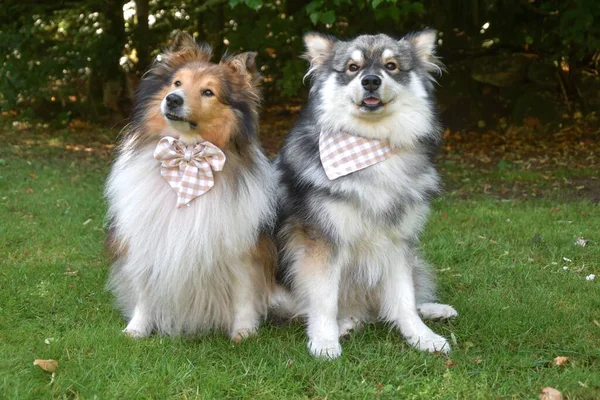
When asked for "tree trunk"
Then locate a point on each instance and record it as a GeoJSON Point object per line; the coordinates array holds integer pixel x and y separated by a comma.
{"type": "Point", "coordinates": [220, 21]}
{"type": "Point", "coordinates": [112, 74]}
{"type": "Point", "coordinates": [140, 39]}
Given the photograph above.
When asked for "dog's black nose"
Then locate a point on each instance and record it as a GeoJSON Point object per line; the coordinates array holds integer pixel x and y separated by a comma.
{"type": "Point", "coordinates": [174, 101]}
{"type": "Point", "coordinates": [371, 82]}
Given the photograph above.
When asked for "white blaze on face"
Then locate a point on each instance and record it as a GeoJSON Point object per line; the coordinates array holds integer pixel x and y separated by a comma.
{"type": "Point", "coordinates": [183, 112]}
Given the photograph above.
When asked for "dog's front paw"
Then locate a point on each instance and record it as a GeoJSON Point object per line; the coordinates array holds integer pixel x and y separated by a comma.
{"type": "Point", "coordinates": [139, 326]}
{"type": "Point", "coordinates": [135, 333]}
{"type": "Point", "coordinates": [436, 311]}
{"type": "Point", "coordinates": [430, 342]}
{"type": "Point", "coordinates": [240, 334]}
{"type": "Point", "coordinates": [329, 349]}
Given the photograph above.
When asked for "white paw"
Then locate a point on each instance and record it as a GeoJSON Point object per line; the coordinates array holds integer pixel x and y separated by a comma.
{"type": "Point", "coordinates": [139, 326]}
{"type": "Point", "coordinates": [347, 326]}
{"type": "Point", "coordinates": [135, 333]}
{"type": "Point", "coordinates": [242, 333]}
{"type": "Point", "coordinates": [430, 342]}
{"type": "Point", "coordinates": [436, 311]}
{"type": "Point", "coordinates": [329, 349]}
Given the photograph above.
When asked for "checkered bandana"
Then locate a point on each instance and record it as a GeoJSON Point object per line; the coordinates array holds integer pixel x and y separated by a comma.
{"type": "Point", "coordinates": [342, 154]}
{"type": "Point", "coordinates": [188, 169]}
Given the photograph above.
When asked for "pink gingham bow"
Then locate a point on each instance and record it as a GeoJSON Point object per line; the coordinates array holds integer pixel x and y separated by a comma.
{"type": "Point", "coordinates": [341, 153]}
{"type": "Point", "coordinates": [188, 169]}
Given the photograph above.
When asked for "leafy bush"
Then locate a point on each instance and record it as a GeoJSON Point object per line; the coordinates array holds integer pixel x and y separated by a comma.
{"type": "Point", "coordinates": [60, 53]}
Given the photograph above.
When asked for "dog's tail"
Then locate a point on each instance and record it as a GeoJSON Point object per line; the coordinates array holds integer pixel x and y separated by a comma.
{"type": "Point", "coordinates": [282, 303]}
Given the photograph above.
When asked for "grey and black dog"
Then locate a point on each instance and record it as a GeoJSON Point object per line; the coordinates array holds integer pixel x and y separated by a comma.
{"type": "Point", "coordinates": [349, 246]}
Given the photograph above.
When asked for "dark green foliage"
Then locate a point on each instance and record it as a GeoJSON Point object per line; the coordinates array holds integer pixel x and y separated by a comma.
{"type": "Point", "coordinates": [58, 55]}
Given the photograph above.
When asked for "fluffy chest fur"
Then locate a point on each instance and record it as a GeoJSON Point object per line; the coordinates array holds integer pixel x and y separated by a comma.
{"type": "Point", "coordinates": [186, 259]}
{"type": "Point", "coordinates": [383, 197]}
{"type": "Point", "coordinates": [226, 217]}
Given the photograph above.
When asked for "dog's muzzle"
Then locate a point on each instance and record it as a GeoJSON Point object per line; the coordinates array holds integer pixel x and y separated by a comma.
{"type": "Point", "coordinates": [371, 100]}
{"type": "Point", "coordinates": [174, 109]}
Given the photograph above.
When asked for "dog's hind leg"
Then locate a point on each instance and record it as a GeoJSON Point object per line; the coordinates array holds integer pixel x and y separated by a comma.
{"type": "Point", "coordinates": [347, 325]}
{"type": "Point", "coordinates": [425, 293]}
{"type": "Point", "coordinates": [436, 311]}
{"type": "Point", "coordinates": [282, 303]}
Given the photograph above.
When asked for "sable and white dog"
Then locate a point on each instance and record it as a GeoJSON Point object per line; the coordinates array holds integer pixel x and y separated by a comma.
{"type": "Point", "coordinates": [356, 176]}
{"type": "Point", "coordinates": [192, 199]}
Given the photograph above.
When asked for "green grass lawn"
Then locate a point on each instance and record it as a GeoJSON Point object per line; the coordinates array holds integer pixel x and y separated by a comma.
{"type": "Point", "coordinates": [500, 263]}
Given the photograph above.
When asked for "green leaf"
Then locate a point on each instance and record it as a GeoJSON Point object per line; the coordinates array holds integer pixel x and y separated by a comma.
{"type": "Point", "coordinates": [314, 17]}
{"type": "Point", "coordinates": [387, 12]}
{"type": "Point", "coordinates": [376, 3]}
{"type": "Point", "coordinates": [313, 6]}
{"type": "Point", "coordinates": [234, 3]}
{"type": "Point", "coordinates": [254, 4]}
{"type": "Point", "coordinates": [418, 8]}
{"type": "Point", "coordinates": [328, 17]}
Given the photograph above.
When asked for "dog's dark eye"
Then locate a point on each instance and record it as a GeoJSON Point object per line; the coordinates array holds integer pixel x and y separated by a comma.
{"type": "Point", "coordinates": [208, 93]}
{"type": "Point", "coordinates": [390, 66]}
{"type": "Point", "coordinates": [177, 83]}
{"type": "Point", "coordinates": [353, 68]}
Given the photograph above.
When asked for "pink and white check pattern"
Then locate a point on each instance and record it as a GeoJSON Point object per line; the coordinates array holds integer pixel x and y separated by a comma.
{"type": "Point", "coordinates": [342, 154]}
{"type": "Point", "coordinates": [188, 169]}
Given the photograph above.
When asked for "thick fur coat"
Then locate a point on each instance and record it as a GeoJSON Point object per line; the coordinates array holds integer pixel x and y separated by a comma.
{"type": "Point", "coordinates": [209, 265]}
{"type": "Point", "coordinates": [349, 246]}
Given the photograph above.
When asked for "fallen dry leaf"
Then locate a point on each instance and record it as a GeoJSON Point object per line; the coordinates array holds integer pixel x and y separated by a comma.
{"type": "Point", "coordinates": [47, 365]}
{"type": "Point", "coordinates": [561, 360]}
{"type": "Point", "coordinates": [450, 363]}
{"type": "Point", "coordinates": [549, 393]}
{"type": "Point", "coordinates": [69, 272]}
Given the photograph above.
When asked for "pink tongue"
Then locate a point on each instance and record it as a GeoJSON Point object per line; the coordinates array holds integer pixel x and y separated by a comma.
{"type": "Point", "coordinates": [371, 101]}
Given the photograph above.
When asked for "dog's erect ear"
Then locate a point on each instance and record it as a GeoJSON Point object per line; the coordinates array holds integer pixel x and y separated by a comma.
{"type": "Point", "coordinates": [243, 66]}
{"type": "Point", "coordinates": [184, 44]}
{"type": "Point", "coordinates": [424, 43]}
{"type": "Point", "coordinates": [182, 41]}
{"type": "Point", "coordinates": [243, 63]}
{"type": "Point", "coordinates": [318, 48]}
